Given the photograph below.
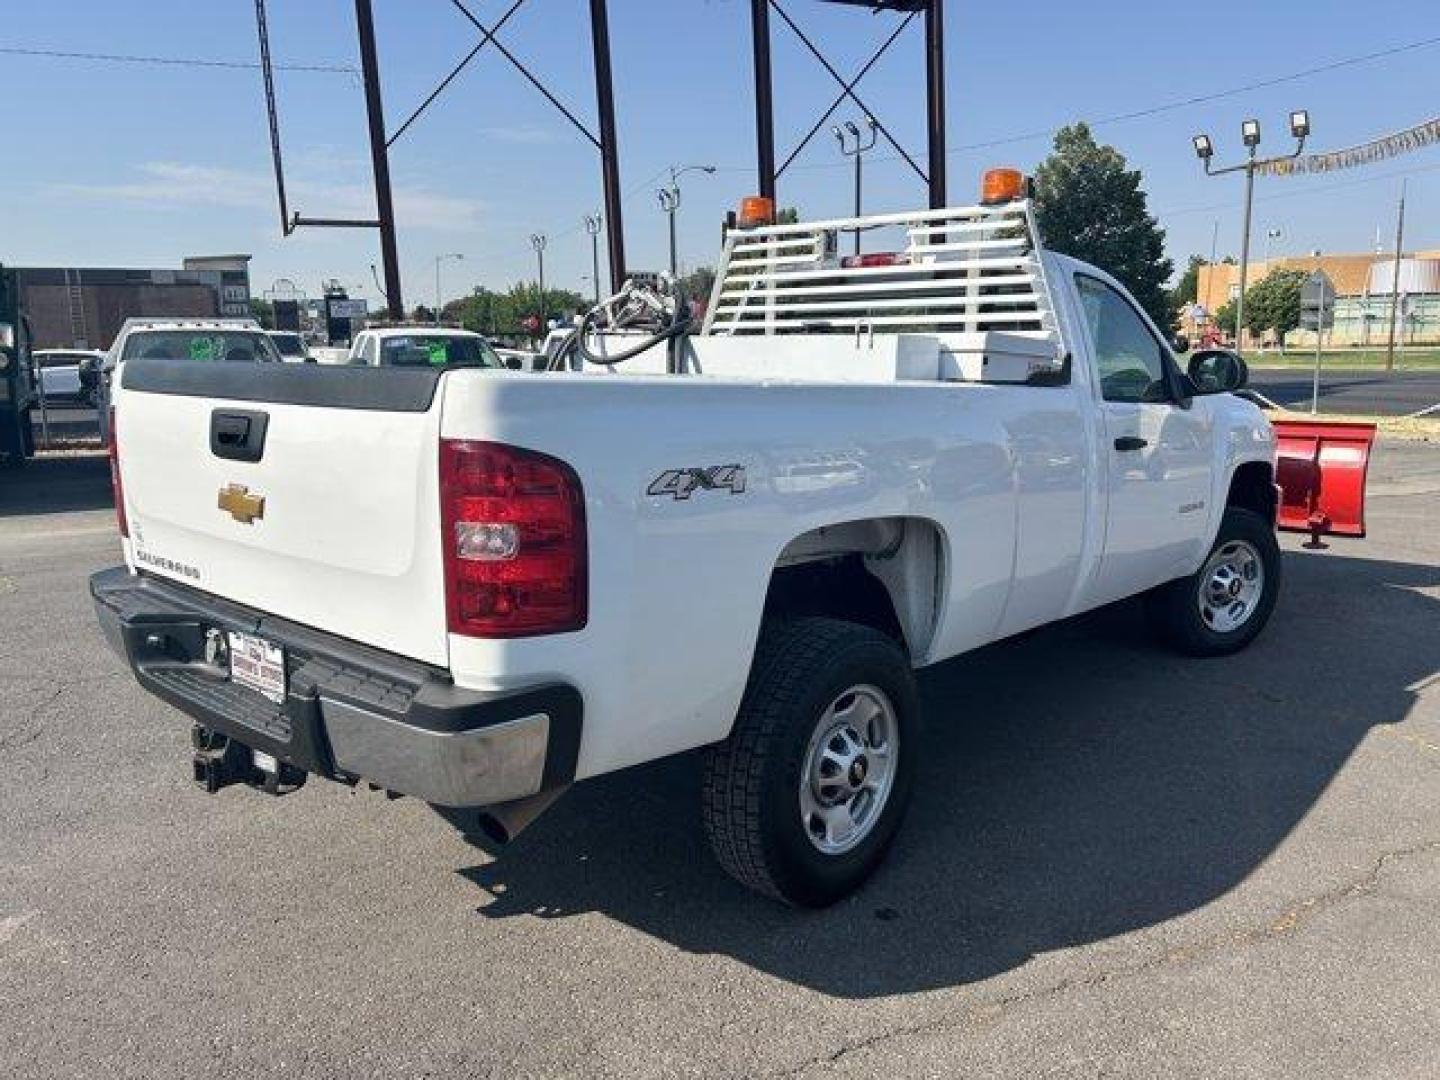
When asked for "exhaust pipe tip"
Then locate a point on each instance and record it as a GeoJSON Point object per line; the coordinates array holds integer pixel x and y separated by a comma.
{"type": "Point", "coordinates": [492, 828]}
{"type": "Point", "coordinates": [502, 823]}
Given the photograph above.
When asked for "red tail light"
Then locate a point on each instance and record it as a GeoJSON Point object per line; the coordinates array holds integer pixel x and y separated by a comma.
{"type": "Point", "coordinates": [115, 483]}
{"type": "Point", "coordinates": [513, 528]}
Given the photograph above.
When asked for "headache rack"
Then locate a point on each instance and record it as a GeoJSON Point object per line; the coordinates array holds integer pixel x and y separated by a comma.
{"type": "Point", "coordinates": [959, 295]}
{"type": "Point", "coordinates": [961, 270]}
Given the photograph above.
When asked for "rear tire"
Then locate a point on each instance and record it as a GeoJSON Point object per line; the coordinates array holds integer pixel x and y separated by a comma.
{"type": "Point", "coordinates": [802, 800]}
{"type": "Point", "coordinates": [1224, 605]}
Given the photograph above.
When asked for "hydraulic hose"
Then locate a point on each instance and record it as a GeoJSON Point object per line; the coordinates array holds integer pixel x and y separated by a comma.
{"type": "Point", "coordinates": [658, 306]}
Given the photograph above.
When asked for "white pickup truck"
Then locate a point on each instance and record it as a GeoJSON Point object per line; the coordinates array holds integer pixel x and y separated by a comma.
{"type": "Point", "coordinates": [477, 587]}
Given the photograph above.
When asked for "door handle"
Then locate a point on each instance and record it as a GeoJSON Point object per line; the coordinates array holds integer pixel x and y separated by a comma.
{"type": "Point", "coordinates": [1130, 442]}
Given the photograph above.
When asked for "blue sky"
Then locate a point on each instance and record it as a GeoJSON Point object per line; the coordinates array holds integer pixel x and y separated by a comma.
{"type": "Point", "coordinates": [116, 164]}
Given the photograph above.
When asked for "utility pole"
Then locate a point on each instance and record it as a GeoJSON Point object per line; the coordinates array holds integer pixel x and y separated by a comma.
{"type": "Point", "coordinates": [855, 146]}
{"type": "Point", "coordinates": [1395, 282]}
{"type": "Point", "coordinates": [670, 202]}
{"type": "Point", "coordinates": [537, 241]}
{"type": "Point", "coordinates": [609, 144]}
{"type": "Point", "coordinates": [380, 159]}
{"type": "Point", "coordinates": [592, 226]}
{"type": "Point", "coordinates": [764, 99]}
{"type": "Point", "coordinates": [935, 99]}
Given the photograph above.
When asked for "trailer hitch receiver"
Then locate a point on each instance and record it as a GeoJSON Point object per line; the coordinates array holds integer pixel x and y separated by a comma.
{"type": "Point", "coordinates": [220, 761]}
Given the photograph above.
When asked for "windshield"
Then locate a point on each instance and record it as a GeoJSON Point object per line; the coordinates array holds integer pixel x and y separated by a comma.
{"type": "Point", "coordinates": [201, 345]}
{"type": "Point", "coordinates": [289, 344]}
{"type": "Point", "coordinates": [437, 350]}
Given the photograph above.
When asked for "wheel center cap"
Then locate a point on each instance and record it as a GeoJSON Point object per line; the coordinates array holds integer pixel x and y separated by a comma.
{"type": "Point", "coordinates": [858, 769]}
{"type": "Point", "coordinates": [1235, 587]}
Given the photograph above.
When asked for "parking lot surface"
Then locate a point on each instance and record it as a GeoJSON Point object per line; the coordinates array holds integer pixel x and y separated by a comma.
{"type": "Point", "coordinates": [1119, 862]}
{"type": "Point", "coordinates": [1374, 392]}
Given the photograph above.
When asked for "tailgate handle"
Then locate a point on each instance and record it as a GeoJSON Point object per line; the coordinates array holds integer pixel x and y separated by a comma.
{"type": "Point", "coordinates": [238, 434]}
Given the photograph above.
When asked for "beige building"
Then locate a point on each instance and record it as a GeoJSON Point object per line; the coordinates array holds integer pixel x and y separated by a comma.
{"type": "Point", "coordinates": [1362, 287]}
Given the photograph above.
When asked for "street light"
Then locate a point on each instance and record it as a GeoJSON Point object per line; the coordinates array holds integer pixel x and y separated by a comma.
{"type": "Point", "coordinates": [1271, 235]}
{"type": "Point", "coordinates": [1250, 136]}
{"type": "Point", "coordinates": [537, 241]}
{"type": "Point", "coordinates": [853, 144]}
{"type": "Point", "coordinates": [670, 202]}
{"type": "Point", "coordinates": [592, 226]}
{"type": "Point", "coordinates": [438, 260]}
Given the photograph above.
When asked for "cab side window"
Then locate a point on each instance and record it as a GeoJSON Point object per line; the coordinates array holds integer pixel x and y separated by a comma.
{"type": "Point", "coordinates": [1129, 360]}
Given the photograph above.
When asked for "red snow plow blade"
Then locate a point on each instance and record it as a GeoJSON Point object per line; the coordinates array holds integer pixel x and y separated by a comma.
{"type": "Point", "coordinates": [1320, 467]}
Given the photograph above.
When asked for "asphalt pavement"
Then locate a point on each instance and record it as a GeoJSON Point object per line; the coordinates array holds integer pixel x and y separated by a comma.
{"type": "Point", "coordinates": [1369, 393]}
{"type": "Point", "coordinates": [1119, 862]}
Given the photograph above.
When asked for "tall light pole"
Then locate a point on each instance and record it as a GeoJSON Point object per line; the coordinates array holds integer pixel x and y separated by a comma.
{"type": "Point", "coordinates": [1250, 135]}
{"type": "Point", "coordinates": [592, 226]}
{"type": "Point", "coordinates": [670, 202]}
{"type": "Point", "coordinates": [854, 144]}
{"type": "Point", "coordinates": [537, 241]}
{"type": "Point", "coordinates": [438, 260]}
{"type": "Point", "coordinates": [1271, 235]}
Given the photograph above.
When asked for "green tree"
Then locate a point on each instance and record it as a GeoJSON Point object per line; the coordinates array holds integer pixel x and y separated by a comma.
{"type": "Point", "coordinates": [504, 314]}
{"type": "Point", "coordinates": [1225, 317]}
{"type": "Point", "coordinates": [1187, 289]}
{"type": "Point", "coordinates": [698, 283]}
{"type": "Point", "coordinates": [263, 312]}
{"type": "Point", "coordinates": [1273, 303]}
{"type": "Point", "coordinates": [1091, 206]}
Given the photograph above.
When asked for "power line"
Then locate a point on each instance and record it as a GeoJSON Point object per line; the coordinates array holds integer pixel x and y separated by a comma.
{"type": "Point", "coordinates": [176, 61]}
{"type": "Point", "coordinates": [1153, 110]}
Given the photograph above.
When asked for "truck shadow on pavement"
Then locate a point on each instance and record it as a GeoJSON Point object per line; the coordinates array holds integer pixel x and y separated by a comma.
{"type": "Point", "coordinates": [1076, 785]}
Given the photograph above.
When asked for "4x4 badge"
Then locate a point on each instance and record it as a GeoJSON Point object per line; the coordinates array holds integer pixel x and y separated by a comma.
{"type": "Point", "coordinates": [682, 483]}
{"type": "Point", "coordinates": [237, 501]}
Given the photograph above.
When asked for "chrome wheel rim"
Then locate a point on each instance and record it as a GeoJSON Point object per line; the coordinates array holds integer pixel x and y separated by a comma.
{"type": "Point", "coordinates": [849, 769]}
{"type": "Point", "coordinates": [1231, 585]}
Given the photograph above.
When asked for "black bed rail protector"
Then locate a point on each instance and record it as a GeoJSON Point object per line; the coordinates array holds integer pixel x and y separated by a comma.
{"type": "Point", "coordinates": [334, 386]}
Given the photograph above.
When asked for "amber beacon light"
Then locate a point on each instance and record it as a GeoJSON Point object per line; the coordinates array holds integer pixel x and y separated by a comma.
{"type": "Point", "coordinates": [1002, 185]}
{"type": "Point", "coordinates": [756, 210]}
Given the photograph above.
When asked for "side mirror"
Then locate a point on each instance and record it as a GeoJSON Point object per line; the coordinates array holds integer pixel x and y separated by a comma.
{"type": "Point", "coordinates": [1218, 371]}
{"type": "Point", "coordinates": [1180, 344]}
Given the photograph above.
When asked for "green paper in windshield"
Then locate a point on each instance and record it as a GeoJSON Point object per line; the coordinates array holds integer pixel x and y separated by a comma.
{"type": "Point", "coordinates": [203, 348]}
{"type": "Point", "coordinates": [439, 355]}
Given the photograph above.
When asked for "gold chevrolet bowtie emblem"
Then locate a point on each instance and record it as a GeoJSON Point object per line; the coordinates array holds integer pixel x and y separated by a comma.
{"type": "Point", "coordinates": [236, 500]}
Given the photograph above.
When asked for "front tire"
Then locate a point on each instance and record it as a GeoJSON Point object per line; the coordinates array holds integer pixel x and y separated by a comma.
{"type": "Point", "coordinates": [802, 800]}
{"type": "Point", "coordinates": [1224, 605]}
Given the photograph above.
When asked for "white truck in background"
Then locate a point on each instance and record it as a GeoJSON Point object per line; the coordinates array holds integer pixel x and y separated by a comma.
{"type": "Point", "coordinates": [477, 587]}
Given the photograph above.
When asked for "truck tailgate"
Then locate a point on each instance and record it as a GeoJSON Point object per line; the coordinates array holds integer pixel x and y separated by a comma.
{"type": "Point", "coordinates": [334, 524]}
